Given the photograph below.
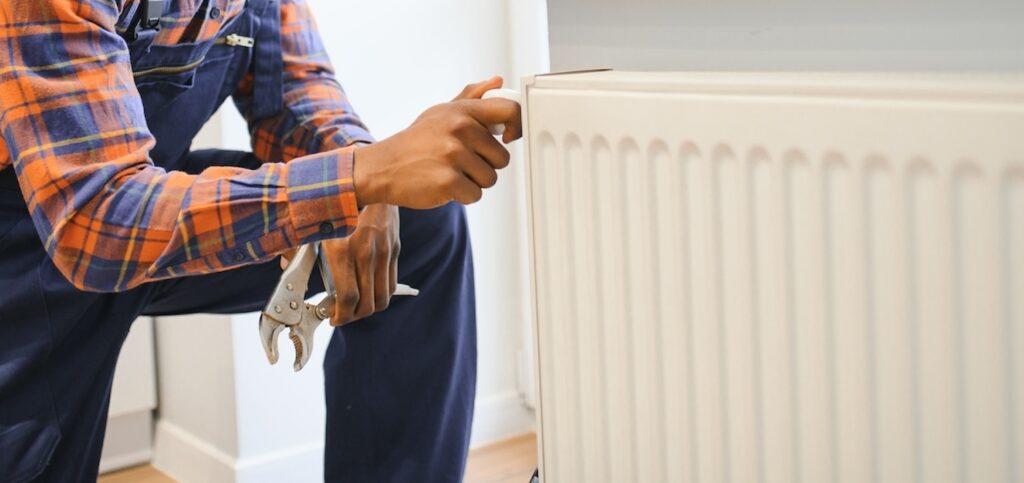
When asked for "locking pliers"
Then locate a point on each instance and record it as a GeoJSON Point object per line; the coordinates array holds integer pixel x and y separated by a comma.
{"type": "Point", "coordinates": [288, 308]}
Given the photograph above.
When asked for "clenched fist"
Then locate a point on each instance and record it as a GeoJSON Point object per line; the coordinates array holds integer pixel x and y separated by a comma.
{"type": "Point", "coordinates": [447, 154]}
{"type": "Point", "coordinates": [365, 265]}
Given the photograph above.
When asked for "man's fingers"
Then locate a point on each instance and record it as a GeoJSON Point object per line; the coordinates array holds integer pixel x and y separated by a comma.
{"type": "Point", "coordinates": [487, 147]}
{"type": "Point", "coordinates": [498, 111]}
{"type": "Point", "coordinates": [478, 171]}
{"type": "Point", "coordinates": [344, 305]}
{"type": "Point", "coordinates": [512, 132]}
{"type": "Point", "coordinates": [393, 269]}
{"type": "Point", "coordinates": [347, 297]}
{"type": "Point", "coordinates": [382, 290]}
{"type": "Point", "coordinates": [475, 90]}
{"type": "Point", "coordinates": [466, 191]}
{"type": "Point", "coordinates": [365, 277]}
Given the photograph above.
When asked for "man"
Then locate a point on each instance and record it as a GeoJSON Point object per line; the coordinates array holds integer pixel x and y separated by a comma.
{"type": "Point", "coordinates": [106, 214]}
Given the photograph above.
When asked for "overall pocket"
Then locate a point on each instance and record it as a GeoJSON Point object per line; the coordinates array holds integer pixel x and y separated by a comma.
{"type": "Point", "coordinates": [160, 86]}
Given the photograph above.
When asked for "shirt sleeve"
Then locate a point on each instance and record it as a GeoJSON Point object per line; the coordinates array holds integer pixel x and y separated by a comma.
{"type": "Point", "coordinates": [75, 134]}
{"type": "Point", "coordinates": [317, 115]}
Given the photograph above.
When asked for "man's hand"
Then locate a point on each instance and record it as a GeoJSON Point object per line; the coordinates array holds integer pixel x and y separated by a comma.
{"type": "Point", "coordinates": [365, 265]}
{"type": "Point", "coordinates": [448, 154]}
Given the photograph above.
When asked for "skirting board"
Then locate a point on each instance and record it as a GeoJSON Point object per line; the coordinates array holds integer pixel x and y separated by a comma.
{"type": "Point", "coordinates": [500, 417]}
{"type": "Point", "coordinates": [129, 441]}
{"type": "Point", "coordinates": [185, 457]}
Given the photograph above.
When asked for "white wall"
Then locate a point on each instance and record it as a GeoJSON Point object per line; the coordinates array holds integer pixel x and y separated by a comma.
{"type": "Point", "coordinates": [689, 35]}
{"type": "Point", "coordinates": [255, 422]}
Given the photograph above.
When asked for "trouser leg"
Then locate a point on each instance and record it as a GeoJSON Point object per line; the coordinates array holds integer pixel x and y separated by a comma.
{"type": "Point", "coordinates": [400, 385]}
{"type": "Point", "coordinates": [58, 350]}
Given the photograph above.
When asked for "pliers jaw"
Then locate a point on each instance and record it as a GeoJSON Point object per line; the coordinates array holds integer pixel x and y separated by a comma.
{"type": "Point", "coordinates": [269, 330]}
{"type": "Point", "coordinates": [300, 334]}
{"type": "Point", "coordinates": [288, 308]}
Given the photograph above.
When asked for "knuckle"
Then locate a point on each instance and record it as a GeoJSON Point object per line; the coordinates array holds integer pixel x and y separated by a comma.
{"type": "Point", "coordinates": [452, 148]}
{"type": "Point", "coordinates": [462, 125]}
{"type": "Point", "coordinates": [516, 112]}
{"type": "Point", "coordinates": [347, 300]}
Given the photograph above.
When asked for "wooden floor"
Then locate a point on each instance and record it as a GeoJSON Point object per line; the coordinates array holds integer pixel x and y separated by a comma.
{"type": "Point", "coordinates": [141, 474]}
{"type": "Point", "coordinates": [511, 461]}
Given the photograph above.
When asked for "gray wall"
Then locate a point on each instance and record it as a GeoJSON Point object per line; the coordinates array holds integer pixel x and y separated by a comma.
{"type": "Point", "coordinates": [952, 35]}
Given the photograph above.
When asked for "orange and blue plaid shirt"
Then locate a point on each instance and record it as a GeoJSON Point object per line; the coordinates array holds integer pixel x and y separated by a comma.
{"type": "Point", "coordinates": [72, 126]}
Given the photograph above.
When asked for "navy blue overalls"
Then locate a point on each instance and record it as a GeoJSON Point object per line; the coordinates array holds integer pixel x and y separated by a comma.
{"type": "Point", "coordinates": [400, 385]}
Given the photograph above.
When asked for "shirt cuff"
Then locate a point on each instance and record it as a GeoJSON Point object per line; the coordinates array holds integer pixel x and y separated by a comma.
{"type": "Point", "coordinates": [321, 196]}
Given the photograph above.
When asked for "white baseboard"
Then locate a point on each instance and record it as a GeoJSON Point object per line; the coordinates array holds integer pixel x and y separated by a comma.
{"type": "Point", "coordinates": [500, 417]}
{"type": "Point", "coordinates": [186, 458]}
{"type": "Point", "coordinates": [189, 459]}
{"type": "Point", "coordinates": [128, 442]}
{"type": "Point", "coordinates": [300, 463]}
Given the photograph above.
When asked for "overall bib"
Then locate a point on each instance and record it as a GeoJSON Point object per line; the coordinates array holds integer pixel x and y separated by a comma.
{"type": "Point", "coordinates": [399, 386]}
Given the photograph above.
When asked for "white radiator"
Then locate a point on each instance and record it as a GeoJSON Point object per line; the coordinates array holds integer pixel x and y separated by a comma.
{"type": "Point", "coordinates": [778, 278]}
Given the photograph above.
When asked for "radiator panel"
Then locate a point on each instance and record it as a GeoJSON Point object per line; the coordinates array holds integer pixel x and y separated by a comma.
{"type": "Point", "coordinates": [778, 278]}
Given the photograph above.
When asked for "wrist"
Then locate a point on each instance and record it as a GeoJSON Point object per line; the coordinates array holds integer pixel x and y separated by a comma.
{"type": "Point", "coordinates": [365, 179]}
{"type": "Point", "coordinates": [379, 216]}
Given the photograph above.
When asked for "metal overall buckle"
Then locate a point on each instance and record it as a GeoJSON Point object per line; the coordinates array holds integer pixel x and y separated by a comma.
{"type": "Point", "coordinates": [147, 17]}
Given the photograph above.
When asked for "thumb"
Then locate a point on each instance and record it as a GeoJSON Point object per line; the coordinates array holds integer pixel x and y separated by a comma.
{"type": "Point", "coordinates": [475, 91]}
{"type": "Point", "coordinates": [494, 111]}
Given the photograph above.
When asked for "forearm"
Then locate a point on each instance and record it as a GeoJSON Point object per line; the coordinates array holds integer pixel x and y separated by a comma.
{"type": "Point", "coordinates": [141, 225]}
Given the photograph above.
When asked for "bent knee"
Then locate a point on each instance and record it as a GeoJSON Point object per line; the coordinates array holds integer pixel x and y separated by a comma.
{"type": "Point", "coordinates": [437, 236]}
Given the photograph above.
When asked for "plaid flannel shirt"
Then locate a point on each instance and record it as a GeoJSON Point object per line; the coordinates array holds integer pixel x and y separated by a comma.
{"type": "Point", "coordinates": [72, 127]}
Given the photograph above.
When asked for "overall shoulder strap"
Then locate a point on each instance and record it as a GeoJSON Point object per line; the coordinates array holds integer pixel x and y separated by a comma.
{"type": "Point", "coordinates": [147, 15]}
{"type": "Point", "coordinates": [268, 61]}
